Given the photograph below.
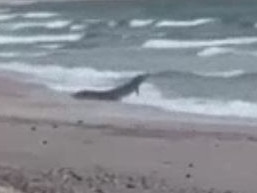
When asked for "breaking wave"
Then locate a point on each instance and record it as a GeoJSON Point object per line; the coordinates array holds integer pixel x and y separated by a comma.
{"type": "Point", "coordinates": [68, 79]}
{"type": "Point", "coordinates": [179, 44]}
{"type": "Point", "coordinates": [151, 96]}
{"type": "Point", "coordinates": [140, 22]}
{"type": "Point", "coordinates": [73, 79]}
{"type": "Point", "coordinates": [48, 24]}
{"type": "Point", "coordinates": [39, 15]}
{"type": "Point", "coordinates": [185, 23]}
{"type": "Point", "coordinates": [40, 38]}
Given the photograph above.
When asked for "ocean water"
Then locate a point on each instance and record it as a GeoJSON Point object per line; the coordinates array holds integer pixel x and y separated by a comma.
{"type": "Point", "coordinates": [202, 54]}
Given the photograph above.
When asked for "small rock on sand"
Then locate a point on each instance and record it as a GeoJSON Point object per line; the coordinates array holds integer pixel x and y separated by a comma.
{"type": "Point", "coordinates": [33, 128]}
{"type": "Point", "coordinates": [190, 165]}
{"type": "Point", "coordinates": [80, 122]}
{"type": "Point", "coordinates": [55, 126]}
{"type": "Point", "coordinates": [188, 176]}
{"type": "Point", "coordinates": [44, 142]}
{"type": "Point", "coordinates": [252, 138]}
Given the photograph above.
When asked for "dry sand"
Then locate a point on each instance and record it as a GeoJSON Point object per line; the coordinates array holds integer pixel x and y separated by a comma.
{"type": "Point", "coordinates": [52, 143]}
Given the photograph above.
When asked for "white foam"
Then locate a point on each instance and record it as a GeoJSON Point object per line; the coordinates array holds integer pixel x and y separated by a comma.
{"type": "Point", "coordinates": [175, 44]}
{"type": "Point", "coordinates": [49, 24]}
{"type": "Point", "coordinates": [39, 15]}
{"type": "Point", "coordinates": [185, 23]}
{"type": "Point", "coordinates": [214, 107]}
{"type": "Point", "coordinates": [51, 46]}
{"type": "Point", "coordinates": [223, 74]}
{"type": "Point", "coordinates": [36, 54]}
{"type": "Point", "coordinates": [77, 27]}
{"type": "Point", "coordinates": [6, 17]}
{"type": "Point", "coordinates": [67, 79]}
{"type": "Point", "coordinates": [140, 22]}
{"type": "Point", "coordinates": [213, 51]}
{"type": "Point", "coordinates": [20, 54]}
{"type": "Point", "coordinates": [112, 23]}
{"type": "Point", "coordinates": [150, 96]}
{"type": "Point", "coordinates": [9, 54]}
{"type": "Point", "coordinates": [40, 39]}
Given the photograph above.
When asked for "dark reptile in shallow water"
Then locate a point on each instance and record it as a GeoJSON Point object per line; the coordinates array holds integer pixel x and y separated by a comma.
{"type": "Point", "coordinates": [115, 93]}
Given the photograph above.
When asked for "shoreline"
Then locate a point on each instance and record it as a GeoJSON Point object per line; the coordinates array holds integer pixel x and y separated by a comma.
{"type": "Point", "coordinates": [18, 80]}
{"type": "Point", "coordinates": [42, 130]}
{"type": "Point", "coordinates": [51, 142]}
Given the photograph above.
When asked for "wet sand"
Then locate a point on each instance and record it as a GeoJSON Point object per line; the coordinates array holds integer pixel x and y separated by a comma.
{"type": "Point", "coordinates": [50, 142]}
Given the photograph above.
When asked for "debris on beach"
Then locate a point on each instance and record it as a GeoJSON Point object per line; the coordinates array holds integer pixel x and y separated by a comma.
{"type": "Point", "coordinates": [33, 128]}
{"type": "Point", "coordinates": [190, 165]}
{"type": "Point", "coordinates": [69, 180]}
{"type": "Point", "coordinates": [188, 176]}
{"type": "Point", "coordinates": [44, 142]}
{"type": "Point", "coordinates": [80, 122]}
{"type": "Point", "coordinates": [54, 126]}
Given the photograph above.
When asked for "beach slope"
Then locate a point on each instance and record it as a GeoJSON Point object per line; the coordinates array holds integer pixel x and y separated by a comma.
{"type": "Point", "coordinates": [51, 142]}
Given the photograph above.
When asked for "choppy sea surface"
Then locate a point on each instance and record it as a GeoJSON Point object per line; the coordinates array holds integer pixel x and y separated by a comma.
{"type": "Point", "coordinates": [202, 54]}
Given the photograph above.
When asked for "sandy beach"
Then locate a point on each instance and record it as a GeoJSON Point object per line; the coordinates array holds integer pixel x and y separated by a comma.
{"type": "Point", "coordinates": [50, 142]}
{"type": "Point", "coordinates": [201, 59]}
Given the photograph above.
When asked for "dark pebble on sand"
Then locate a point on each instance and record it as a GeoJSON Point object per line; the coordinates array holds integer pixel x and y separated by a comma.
{"type": "Point", "coordinates": [98, 190]}
{"type": "Point", "coordinates": [252, 138]}
{"type": "Point", "coordinates": [144, 183]}
{"type": "Point", "coordinates": [188, 176]}
{"type": "Point", "coordinates": [44, 142]}
{"type": "Point", "coordinates": [76, 176]}
{"type": "Point", "coordinates": [130, 186]}
{"type": "Point", "coordinates": [191, 165]}
{"type": "Point", "coordinates": [33, 128]}
{"type": "Point", "coordinates": [55, 126]}
{"type": "Point", "coordinates": [228, 191]}
{"type": "Point", "coordinates": [80, 122]}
